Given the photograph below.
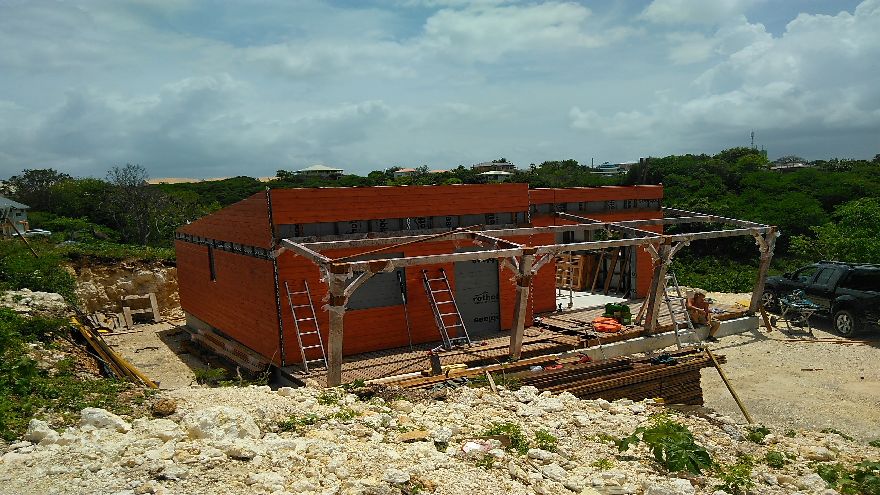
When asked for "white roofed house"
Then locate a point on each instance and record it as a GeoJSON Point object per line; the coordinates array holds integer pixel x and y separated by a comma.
{"type": "Point", "coordinates": [13, 215]}
{"type": "Point", "coordinates": [322, 171]}
{"type": "Point", "coordinates": [404, 172]}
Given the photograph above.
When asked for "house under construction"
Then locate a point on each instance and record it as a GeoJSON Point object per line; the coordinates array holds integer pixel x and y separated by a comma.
{"type": "Point", "coordinates": [304, 277]}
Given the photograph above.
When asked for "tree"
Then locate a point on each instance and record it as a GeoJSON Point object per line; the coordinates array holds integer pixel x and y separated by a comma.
{"type": "Point", "coordinates": [855, 237]}
{"type": "Point", "coordinates": [34, 187]}
{"type": "Point", "coordinates": [141, 213]}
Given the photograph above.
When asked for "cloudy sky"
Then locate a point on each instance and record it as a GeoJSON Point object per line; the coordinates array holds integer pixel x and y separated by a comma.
{"type": "Point", "coordinates": [193, 88]}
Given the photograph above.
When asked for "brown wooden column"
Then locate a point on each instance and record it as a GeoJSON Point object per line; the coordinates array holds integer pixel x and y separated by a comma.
{"type": "Point", "coordinates": [336, 307]}
{"type": "Point", "coordinates": [766, 244]}
{"type": "Point", "coordinates": [658, 285]}
{"type": "Point", "coordinates": [523, 282]}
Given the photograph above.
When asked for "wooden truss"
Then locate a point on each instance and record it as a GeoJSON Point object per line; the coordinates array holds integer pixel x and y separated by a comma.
{"type": "Point", "coordinates": [345, 275]}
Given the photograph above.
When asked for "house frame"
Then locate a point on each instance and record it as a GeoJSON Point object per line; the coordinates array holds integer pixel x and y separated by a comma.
{"type": "Point", "coordinates": [344, 276]}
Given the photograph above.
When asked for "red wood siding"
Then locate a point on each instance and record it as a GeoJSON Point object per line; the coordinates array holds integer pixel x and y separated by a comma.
{"type": "Point", "coordinates": [239, 303]}
{"type": "Point", "coordinates": [604, 193]}
{"type": "Point", "coordinates": [245, 222]}
{"type": "Point", "coordinates": [338, 204]}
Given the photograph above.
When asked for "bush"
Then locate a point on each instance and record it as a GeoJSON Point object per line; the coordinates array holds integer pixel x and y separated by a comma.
{"type": "Point", "coordinates": [19, 269]}
{"type": "Point", "coordinates": [757, 433]}
{"type": "Point", "coordinates": [26, 390]}
{"type": "Point", "coordinates": [863, 478]}
{"type": "Point", "coordinates": [545, 441]}
{"type": "Point", "coordinates": [671, 443]}
{"type": "Point", "coordinates": [512, 431]}
{"type": "Point", "coordinates": [736, 478]}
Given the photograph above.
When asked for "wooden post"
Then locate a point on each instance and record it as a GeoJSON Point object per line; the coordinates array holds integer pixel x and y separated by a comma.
{"type": "Point", "coordinates": [766, 244]}
{"type": "Point", "coordinates": [523, 281]}
{"type": "Point", "coordinates": [336, 307]}
{"type": "Point", "coordinates": [658, 285]}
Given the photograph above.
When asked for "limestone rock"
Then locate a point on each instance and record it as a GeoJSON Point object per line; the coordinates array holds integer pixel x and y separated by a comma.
{"type": "Point", "coordinates": [221, 423]}
{"type": "Point", "coordinates": [101, 418]}
{"type": "Point", "coordinates": [164, 407]}
{"type": "Point", "coordinates": [40, 432]}
{"type": "Point", "coordinates": [675, 486]}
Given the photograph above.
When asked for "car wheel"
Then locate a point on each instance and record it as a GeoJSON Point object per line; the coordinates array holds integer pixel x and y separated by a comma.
{"type": "Point", "coordinates": [845, 323]}
{"type": "Point", "coordinates": [769, 301]}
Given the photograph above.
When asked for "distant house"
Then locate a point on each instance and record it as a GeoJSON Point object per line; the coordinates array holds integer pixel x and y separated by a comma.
{"type": "Point", "coordinates": [493, 166]}
{"type": "Point", "coordinates": [496, 175]}
{"type": "Point", "coordinates": [16, 214]}
{"type": "Point", "coordinates": [607, 169]}
{"type": "Point", "coordinates": [322, 171]}
{"type": "Point", "coordinates": [404, 172]}
{"type": "Point", "coordinates": [438, 171]}
{"type": "Point", "coordinates": [790, 167]}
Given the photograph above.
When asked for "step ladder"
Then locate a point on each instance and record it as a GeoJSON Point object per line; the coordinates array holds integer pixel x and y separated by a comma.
{"type": "Point", "coordinates": [676, 302]}
{"type": "Point", "coordinates": [308, 334]}
{"type": "Point", "coordinates": [446, 313]}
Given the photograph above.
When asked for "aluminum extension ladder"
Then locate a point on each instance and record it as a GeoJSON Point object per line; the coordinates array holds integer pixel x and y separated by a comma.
{"type": "Point", "coordinates": [441, 298]}
{"type": "Point", "coordinates": [676, 302]}
{"type": "Point", "coordinates": [300, 332]}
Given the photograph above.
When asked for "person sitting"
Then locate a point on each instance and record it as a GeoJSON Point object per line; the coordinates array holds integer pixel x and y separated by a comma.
{"type": "Point", "coordinates": [698, 309]}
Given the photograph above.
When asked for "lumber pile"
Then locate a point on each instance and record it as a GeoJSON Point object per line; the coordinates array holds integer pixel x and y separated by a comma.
{"type": "Point", "coordinates": [675, 381]}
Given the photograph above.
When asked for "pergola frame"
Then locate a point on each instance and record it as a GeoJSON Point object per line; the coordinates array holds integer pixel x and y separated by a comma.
{"type": "Point", "coordinates": [345, 275]}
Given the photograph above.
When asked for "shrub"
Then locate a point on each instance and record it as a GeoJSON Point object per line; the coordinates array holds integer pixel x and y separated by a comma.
{"type": "Point", "coordinates": [736, 478]}
{"type": "Point", "coordinates": [671, 443]}
{"type": "Point", "coordinates": [603, 464]}
{"type": "Point", "coordinates": [757, 433]}
{"type": "Point", "coordinates": [512, 431]}
{"type": "Point", "coordinates": [775, 459]}
{"type": "Point", "coordinates": [210, 376]}
{"type": "Point", "coordinates": [863, 478]}
{"type": "Point", "coordinates": [545, 441]}
{"type": "Point", "coordinates": [19, 269]}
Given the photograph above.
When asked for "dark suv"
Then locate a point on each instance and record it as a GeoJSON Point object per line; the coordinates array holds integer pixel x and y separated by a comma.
{"type": "Point", "coordinates": [848, 292]}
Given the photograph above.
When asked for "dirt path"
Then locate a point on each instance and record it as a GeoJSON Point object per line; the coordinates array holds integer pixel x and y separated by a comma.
{"type": "Point", "coordinates": [161, 352]}
{"type": "Point", "coordinates": [795, 385]}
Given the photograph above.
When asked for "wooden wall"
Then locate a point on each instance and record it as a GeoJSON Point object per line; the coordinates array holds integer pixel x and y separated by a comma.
{"type": "Point", "coordinates": [240, 302]}
{"type": "Point", "coordinates": [245, 222]}
{"type": "Point", "coordinates": [337, 204]}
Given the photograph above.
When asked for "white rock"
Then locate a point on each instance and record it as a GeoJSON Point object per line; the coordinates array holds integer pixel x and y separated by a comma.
{"type": "Point", "coordinates": [286, 391]}
{"type": "Point", "coordinates": [442, 435]}
{"type": "Point", "coordinates": [163, 429]}
{"type": "Point", "coordinates": [541, 455]}
{"type": "Point", "coordinates": [40, 432]}
{"type": "Point", "coordinates": [812, 482]}
{"type": "Point", "coordinates": [552, 405]}
{"type": "Point", "coordinates": [526, 393]}
{"type": "Point", "coordinates": [221, 423]}
{"type": "Point", "coordinates": [675, 486]}
{"type": "Point", "coordinates": [554, 471]}
{"type": "Point", "coordinates": [403, 406]}
{"type": "Point", "coordinates": [395, 476]}
{"type": "Point", "coordinates": [817, 453]}
{"type": "Point", "coordinates": [103, 419]}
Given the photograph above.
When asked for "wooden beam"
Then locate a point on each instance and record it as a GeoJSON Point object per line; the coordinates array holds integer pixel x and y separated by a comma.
{"type": "Point", "coordinates": [305, 251]}
{"type": "Point", "coordinates": [523, 282]}
{"type": "Point", "coordinates": [714, 218]}
{"type": "Point", "coordinates": [766, 244]}
{"type": "Point", "coordinates": [336, 308]}
{"type": "Point", "coordinates": [658, 285]}
{"type": "Point", "coordinates": [356, 283]}
{"type": "Point", "coordinates": [431, 259]}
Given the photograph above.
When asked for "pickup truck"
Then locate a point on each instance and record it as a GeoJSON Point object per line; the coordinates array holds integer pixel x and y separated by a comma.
{"type": "Point", "coordinates": [847, 292]}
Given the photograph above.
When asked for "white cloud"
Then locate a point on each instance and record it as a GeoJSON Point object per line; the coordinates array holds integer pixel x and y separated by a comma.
{"type": "Point", "coordinates": [693, 11]}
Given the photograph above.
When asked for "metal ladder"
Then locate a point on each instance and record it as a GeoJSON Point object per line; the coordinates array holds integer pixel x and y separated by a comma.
{"type": "Point", "coordinates": [310, 317]}
{"type": "Point", "coordinates": [676, 302]}
{"type": "Point", "coordinates": [438, 306]}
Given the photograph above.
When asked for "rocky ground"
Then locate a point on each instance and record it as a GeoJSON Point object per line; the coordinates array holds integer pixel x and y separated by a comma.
{"type": "Point", "coordinates": [305, 441]}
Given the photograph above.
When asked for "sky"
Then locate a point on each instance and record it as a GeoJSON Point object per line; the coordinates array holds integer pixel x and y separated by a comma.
{"type": "Point", "coordinates": [190, 88]}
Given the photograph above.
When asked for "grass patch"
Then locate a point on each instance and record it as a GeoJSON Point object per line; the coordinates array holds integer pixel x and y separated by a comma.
{"type": "Point", "coordinates": [329, 397]}
{"type": "Point", "coordinates": [19, 269]}
{"type": "Point", "coordinates": [875, 443]}
{"type": "Point", "coordinates": [838, 433]}
{"type": "Point", "coordinates": [27, 391]}
{"type": "Point", "coordinates": [545, 441]}
{"type": "Point", "coordinates": [295, 423]}
{"type": "Point", "coordinates": [603, 464]}
{"type": "Point", "coordinates": [210, 376]}
{"type": "Point", "coordinates": [513, 431]}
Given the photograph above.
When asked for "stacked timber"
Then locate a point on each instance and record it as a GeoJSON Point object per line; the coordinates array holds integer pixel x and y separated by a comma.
{"type": "Point", "coordinates": [676, 379]}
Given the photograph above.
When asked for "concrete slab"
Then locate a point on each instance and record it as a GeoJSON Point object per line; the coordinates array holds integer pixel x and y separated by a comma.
{"type": "Point", "coordinates": [585, 300]}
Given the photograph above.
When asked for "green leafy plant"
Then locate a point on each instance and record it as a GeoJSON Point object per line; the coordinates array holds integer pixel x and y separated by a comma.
{"type": "Point", "coordinates": [345, 414]}
{"type": "Point", "coordinates": [861, 479]}
{"type": "Point", "coordinates": [294, 423]}
{"type": "Point", "coordinates": [790, 433]}
{"type": "Point", "coordinates": [775, 459]}
{"type": "Point", "coordinates": [210, 376]}
{"type": "Point", "coordinates": [487, 461]}
{"type": "Point", "coordinates": [602, 464]}
{"type": "Point", "coordinates": [329, 397]}
{"type": "Point", "coordinates": [512, 431]}
{"type": "Point", "coordinates": [671, 443]}
{"type": "Point", "coordinates": [545, 441]}
{"type": "Point", "coordinates": [757, 433]}
{"type": "Point", "coordinates": [736, 478]}
{"type": "Point", "coordinates": [875, 443]}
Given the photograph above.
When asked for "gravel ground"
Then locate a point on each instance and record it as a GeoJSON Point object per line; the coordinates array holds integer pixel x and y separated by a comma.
{"type": "Point", "coordinates": [792, 383]}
